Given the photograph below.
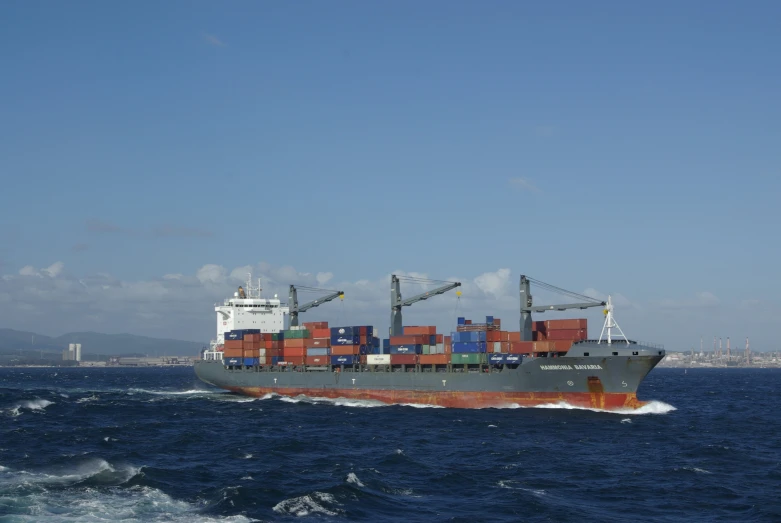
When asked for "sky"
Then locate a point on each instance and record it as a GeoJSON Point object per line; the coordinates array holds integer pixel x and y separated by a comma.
{"type": "Point", "coordinates": [151, 154]}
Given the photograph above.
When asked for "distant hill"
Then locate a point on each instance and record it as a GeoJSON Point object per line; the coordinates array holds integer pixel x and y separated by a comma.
{"type": "Point", "coordinates": [13, 341]}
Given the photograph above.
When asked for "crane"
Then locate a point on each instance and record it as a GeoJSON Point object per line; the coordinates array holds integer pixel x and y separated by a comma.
{"type": "Point", "coordinates": [527, 306]}
{"type": "Point", "coordinates": [295, 309]}
{"type": "Point", "coordinates": [396, 328]}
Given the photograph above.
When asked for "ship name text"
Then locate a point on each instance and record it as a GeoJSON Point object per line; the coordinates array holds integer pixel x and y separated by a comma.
{"type": "Point", "coordinates": [571, 367]}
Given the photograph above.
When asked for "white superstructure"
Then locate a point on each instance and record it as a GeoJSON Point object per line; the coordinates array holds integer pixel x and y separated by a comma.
{"type": "Point", "coordinates": [247, 310]}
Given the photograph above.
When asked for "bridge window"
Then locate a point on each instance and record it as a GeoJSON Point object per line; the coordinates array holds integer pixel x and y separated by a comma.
{"type": "Point", "coordinates": [585, 353]}
{"type": "Point", "coordinates": [615, 354]}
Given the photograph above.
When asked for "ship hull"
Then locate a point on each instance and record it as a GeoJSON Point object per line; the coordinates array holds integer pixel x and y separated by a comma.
{"type": "Point", "coordinates": [608, 383]}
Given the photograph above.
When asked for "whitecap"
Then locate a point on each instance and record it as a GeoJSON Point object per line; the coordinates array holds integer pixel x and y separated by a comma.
{"type": "Point", "coordinates": [352, 478]}
{"type": "Point", "coordinates": [306, 505]}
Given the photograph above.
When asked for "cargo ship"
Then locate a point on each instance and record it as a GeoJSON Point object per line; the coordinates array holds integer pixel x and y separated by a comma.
{"type": "Point", "coordinates": [261, 349]}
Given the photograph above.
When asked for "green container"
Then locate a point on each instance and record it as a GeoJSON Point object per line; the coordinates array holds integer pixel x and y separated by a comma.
{"type": "Point", "coordinates": [276, 336]}
{"type": "Point", "coordinates": [426, 349]}
{"type": "Point", "coordinates": [469, 358]}
{"type": "Point", "coordinates": [296, 335]}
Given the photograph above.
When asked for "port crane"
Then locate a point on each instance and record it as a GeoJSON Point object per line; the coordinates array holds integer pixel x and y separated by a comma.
{"type": "Point", "coordinates": [527, 304]}
{"type": "Point", "coordinates": [295, 309]}
{"type": "Point", "coordinates": [396, 327]}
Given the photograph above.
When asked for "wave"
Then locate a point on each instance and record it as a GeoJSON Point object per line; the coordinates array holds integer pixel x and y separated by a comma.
{"type": "Point", "coordinates": [35, 405]}
{"type": "Point", "coordinates": [652, 407]}
{"type": "Point", "coordinates": [315, 503]}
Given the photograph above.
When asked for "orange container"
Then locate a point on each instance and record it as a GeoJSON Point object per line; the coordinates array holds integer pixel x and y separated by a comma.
{"type": "Point", "coordinates": [293, 351]}
{"type": "Point", "coordinates": [317, 343]}
{"type": "Point", "coordinates": [514, 336]}
{"type": "Point", "coordinates": [233, 353]}
{"type": "Point", "coordinates": [234, 344]}
{"type": "Point", "coordinates": [294, 360]}
{"type": "Point", "coordinates": [294, 342]}
{"type": "Point", "coordinates": [321, 333]}
{"type": "Point", "coordinates": [417, 330]}
{"type": "Point", "coordinates": [345, 350]}
{"type": "Point", "coordinates": [251, 353]}
{"type": "Point", "coordinates": [410, 340]}
{"type": "Point", "coordinates": [434, 359]}
{"type": "Point", "coordinates": [521, 347]}
{"type": "Point", "coordinates": [567, 334]}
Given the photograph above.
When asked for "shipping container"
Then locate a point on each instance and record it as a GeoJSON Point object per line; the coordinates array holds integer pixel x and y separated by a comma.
{"type": "Point", "coordinates": [345, 350]}
{"type": "Point", "coordinates": [462, 358]}
{"type": "Point", "coordinates": [233, 353]}
{"type": "Point", "coordinates": [234, 344]}
{"type": "Point", "coordinates": [345, 359]}
{"type": "Point", "coordinates": [468, 336]}
{"type": "Point", "coordinates": [521, 347]}
{"type": "Point", "coordinates": [406, 349]}
{"type": "Point", "coordinates": [343, 331]}
{"type": "Point", "coordinates": [504, 359]}
{"type": "Point", "coordinates": [378, 359]}
{"type": "Point", "coordinates": [418, 330]}
{"type": "Point", "coordinates": [233, 362]}
{"type": "Point", "coordinates": [321, 333]}
{"type": "Point", "coordinates": [412, 339]}
{"type": "Point", "coordinates": [461, 320]}
{"type": "Point", "coordinates": [297, 334]}
{"type": "Point", "coordinates": [579, 323]}
{"type": "Point", "coordinates": [435, 359]}
{"type": "Point", "coordinates": [461, 347]}
{"type": "Point", "coordinates": [293, 342]}
{"type": "Point", "coordinates": [567, 334]}
{"type": "Point", "coordinates": [295, 360]}
{"type": "Point", "coordinates": [489, 320]}
{"type": "Point", "coordinates": [250, 362]}
{"type": "Point", "coordinates": [317, 342]}
{"type": "Point", "coordinates": [404, 359]}
{"type": "Point", "coordinates": [343, 339]}
{"type": "Point", "coordinates": [318, 360]}
{"type": "Point", "coordinates": [294, 351]}
{"type": "Point", "coordinates": [312, 325]}
{"type": "Point", "coordinates": [317, 352]}
{"type": "Point", "coordinates": [251, 353]}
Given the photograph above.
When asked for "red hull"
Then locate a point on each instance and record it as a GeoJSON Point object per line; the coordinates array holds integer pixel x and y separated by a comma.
{"type": "Point", "coordinates": [463, 400]}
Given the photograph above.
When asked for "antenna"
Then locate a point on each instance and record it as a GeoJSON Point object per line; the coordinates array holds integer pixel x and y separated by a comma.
{"type": "Point", "coordinates": [610, 324]}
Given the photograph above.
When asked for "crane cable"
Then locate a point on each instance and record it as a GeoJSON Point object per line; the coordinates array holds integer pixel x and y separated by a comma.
{"type": "Point", "coordinates": [559, 290]}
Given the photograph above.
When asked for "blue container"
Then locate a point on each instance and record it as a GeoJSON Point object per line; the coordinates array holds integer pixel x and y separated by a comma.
{"type": "Point", "coordinates": [375, 342]}
{"type": "Point", "coordinates": [234, 335]}
{"type": "Point", "coordinates": [513, 358]}
{"type": "Point", "coordinates": [276, 359]}
{"type": "Point", "coordinates": [342, 331]}
{"type": "Point", "coordinates": [345, 360]}
{"type": "Point", "coordinates": [470, 347]}
{"type": "Point", "coordinates": [343, 339]}
{"type": "Point", "coordinates": [461, 321]}
{"type": "Point", "coordinates": [406, 349]}
{"type": "Point", "coordinates": [468, 336]}
{"type": "Point", "coordinates": [432, 340]}
{"type": "Point", "coordinates": [251, 362]}
{"type": "Point", "coordinates": [318, 352]}
{"type": "Point", "coordinates": [386, 343]}
{"type": "Point", "coordinates": [364, 349]}
{"type": "Point", "coordinates": [489, 320]}
{"type": "Point", "coordinates": [232, 362]}
{"type": "Point", "coordinates": [497, 359]}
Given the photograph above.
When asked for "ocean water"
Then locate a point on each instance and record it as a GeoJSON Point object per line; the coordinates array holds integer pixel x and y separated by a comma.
{"type": "Point", "coordinates": [156, 444]}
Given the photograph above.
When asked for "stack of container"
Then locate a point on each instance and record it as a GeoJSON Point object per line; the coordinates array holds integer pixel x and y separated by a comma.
{"type": "Point", "coordinates": [242, 347]}
{"type": "Point", "coordinates": [293, 347]}
{"type": "Point", "coordinates": [349, 344]}
{"type": "Point", "coordinates": [318, 346]}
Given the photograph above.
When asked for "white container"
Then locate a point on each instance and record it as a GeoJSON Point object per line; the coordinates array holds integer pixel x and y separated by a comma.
{"type": "Point", "coordinates": [497, 346]}
{"type": "Point", "coordinates": [378, 359]}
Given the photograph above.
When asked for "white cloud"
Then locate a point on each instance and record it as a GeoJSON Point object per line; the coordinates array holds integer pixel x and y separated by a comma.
{"type": "Point", "coordinates": [523, 184]}
{"type": "Point", "coordinates": [211, 273]}
{"type": "Point", "coordinates": [177, 305]}
{"type": "Point", "coordinates": [213, 40]}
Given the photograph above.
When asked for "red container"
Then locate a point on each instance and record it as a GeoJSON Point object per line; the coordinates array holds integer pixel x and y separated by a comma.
{"type": "Point", "coordinates": [410, 340]}
{"type": "Point", "coordinates": [440, 339]}
{"type": "Point", "coordinates": [561, 345]}
{"type": "Point", "coordinates": [514, 336]}
{"type": "Point", "coordinates": [419, 331]}
{"type": "Point", "coordinates": [404, 359]}
{"type": "Point", "coordinates": [294, 360]}
{"type": "Point", "coordinates": [433, 359]}
{"type": "Point", "coordinates": [251, 345]}
{"type": "Point", "coordinates": [233, 353]}
{"type": "Point", "coordinates": [544, 346]}
{"type": "Point", "coordinates": [294, 342]}
{"type": "Point", "coordinates": [315, 325]}
{"type": "Point", "coordinates": [293, 351]}
{"type": "Point", "coordinates": [521, 347]}
{"type": "Point", "coordinates": [345, 350]}
{"type": "Point", "coordinates": [318, 360]}
{"type": "Point", "coordinates": [567, 334]}
{"type": "Point", "coordinates": [321, 333]}
{"type": "Point", "coordinates": [579, 323]}
{"type": "Point", "coordinates": [234, 344]}
{"type": "Point", "coordinates": [273, 352]}
{"type": "Point", "coordinates": [267, 344]}
{"type": "Point", "coordinates": [538, 326]}
{"type": "Point", "coordinates": [317, 343]}
{"type": "Point", "coordinates": [266, 361]}
{"type": "Point", "coordinates": [497, 322]}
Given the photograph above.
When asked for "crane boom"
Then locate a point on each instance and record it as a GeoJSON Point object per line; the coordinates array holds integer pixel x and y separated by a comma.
{"type": "Point", "coordinates": [396, 328]}
{"type": "Point", "coordinates": [295, 309]}
{"type": "Point", "coordinates": [527, 308]}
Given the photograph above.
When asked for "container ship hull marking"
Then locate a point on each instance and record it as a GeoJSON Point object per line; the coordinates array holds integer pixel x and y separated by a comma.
{"type": "Point", "coordinates": [577, 382]}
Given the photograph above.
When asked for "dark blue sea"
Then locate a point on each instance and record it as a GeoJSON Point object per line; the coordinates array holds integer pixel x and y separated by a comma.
{"type": "Point", "coordinates": [156, 444]}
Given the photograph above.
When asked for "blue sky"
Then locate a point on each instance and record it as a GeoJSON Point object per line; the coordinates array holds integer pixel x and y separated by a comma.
{"type": "Point", "coordinates": [618, 147]}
